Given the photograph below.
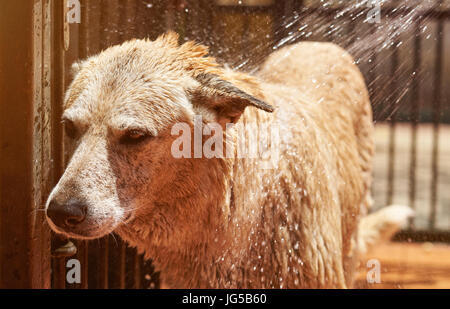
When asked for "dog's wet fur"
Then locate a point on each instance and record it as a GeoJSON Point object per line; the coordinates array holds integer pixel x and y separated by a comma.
{"type": "Point", "coordinates": [222, 222]}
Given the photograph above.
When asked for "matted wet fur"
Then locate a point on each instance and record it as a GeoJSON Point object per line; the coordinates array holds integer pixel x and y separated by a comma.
{"type": "Point", "coordinates": [222, 222]}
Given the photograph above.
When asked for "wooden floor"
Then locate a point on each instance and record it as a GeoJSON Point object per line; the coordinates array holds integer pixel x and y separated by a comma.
{"type": "Point", "coordinates": [407, 266]}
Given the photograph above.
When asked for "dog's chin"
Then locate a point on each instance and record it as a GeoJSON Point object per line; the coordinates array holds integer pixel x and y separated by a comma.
{"type": "Point", "coordinates": [84, 233]}
{"type": "Point", "coordinates": [92, 232]}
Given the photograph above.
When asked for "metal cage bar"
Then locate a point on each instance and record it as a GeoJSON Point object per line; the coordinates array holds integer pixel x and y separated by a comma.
{"type": "Point", "coordinates": [29, 89]}
{"type": "Point", "coordinates": [436, 122]}
{"type": "Point", "coordinates": [414, 118]}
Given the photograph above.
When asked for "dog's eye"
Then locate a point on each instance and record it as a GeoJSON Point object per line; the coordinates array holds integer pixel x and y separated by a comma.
{"type": "Point", "coordinates": [134, 137]}
{"type": "Point", "coordinates": [71, 130]}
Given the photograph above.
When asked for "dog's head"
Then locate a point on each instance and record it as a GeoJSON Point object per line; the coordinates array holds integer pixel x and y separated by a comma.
{"type": "Point", "coordinates": [119, 112]}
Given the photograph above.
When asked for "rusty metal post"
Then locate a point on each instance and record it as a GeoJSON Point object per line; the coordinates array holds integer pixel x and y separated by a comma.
{"type": "Point", "coordinates": [415, 114]}
{"type": "Point", "coordinates": [439, 60]}
{"type": "Point", "coordinates": [25, 147]}
{"type": "Point", "coordinates": [392, 138]}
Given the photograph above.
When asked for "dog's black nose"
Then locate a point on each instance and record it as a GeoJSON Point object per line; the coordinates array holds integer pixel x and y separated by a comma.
{"type": "Point", "coordinates": [66, 215]}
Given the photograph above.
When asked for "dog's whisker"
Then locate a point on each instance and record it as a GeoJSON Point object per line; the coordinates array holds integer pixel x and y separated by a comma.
{"type": "Point", "coordinates": [114, 237]}
{"type": "Point", "coordinates": [38, 210]}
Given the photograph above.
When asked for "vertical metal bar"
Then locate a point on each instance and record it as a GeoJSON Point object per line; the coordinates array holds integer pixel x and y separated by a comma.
{"type": "Point", "coordinates": [83, 31]}
{"type": "Point", "coordinates": [111, 23]}
{"type": "Point", "coordinates": [393, 122]}
{"type": "Point", "coordinates": [23, 263]}
{"type": "Point", "coordinates": [436, 122]}
{"type": "Point", "coordinates": [150, 279]}
{"type": "Point", "coordinates": [129, 267]}
{"type": "Point", "coordinates": [59, 267]}
{"type": "Point", "coordinates": [42, 152]}
{"type": "Point", "coordinates": [214, 27]}
{"type": "Point", "coordinates": [391, 160]}
{"type": "Point", "coordinates": [170, 15]}
{"type": "Point", "coordinates": [182, 19]}
{"type": "Point", "coordinates": [245, 40]}
{"type": "Point", "coordinates": [84, 264]}
{"type": "Point", "coordinates": [93, 264]}
{"type": "Point", "coordinates": [372, 71]}
{"type": "Point", "coordinates": [277, 18]}
{"type": "Point", "coordinates": [282, 11]}
{"type": "Point", "coordinates": [122, 263]}
{"type": "Point", "coordinates": [137, 270]}
{"type": "Point", "coordinates": [103, 22]}
{"type": "Point", "coordinates": [352, 32]}
{"type": "Point", "coordinates": [414, 118]}
{"type": "Point", "coordinates": [139, 21]}
{"type": "Point", "coordinates": [93, 13]}
{"type": "Point", "coordinates": [58, 83]}
{"type": "Point", "coordinates": [372, 82]}
{"type": "Point", "coordinates": [104, 262]}
{"type": "Point", "coordinates": [123, 20]}
{"type": "Point", "coordinates": [194, 21]}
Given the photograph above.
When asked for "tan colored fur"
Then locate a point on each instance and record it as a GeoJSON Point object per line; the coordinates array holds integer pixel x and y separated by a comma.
{"type": "Point", "coordinates": [224, 222]}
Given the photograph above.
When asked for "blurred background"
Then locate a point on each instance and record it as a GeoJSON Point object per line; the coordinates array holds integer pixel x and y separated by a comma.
{"type": "Point", "coordinates": [402, 47]}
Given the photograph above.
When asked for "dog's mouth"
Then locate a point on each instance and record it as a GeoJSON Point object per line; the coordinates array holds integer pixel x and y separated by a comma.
{"type": "Point", "coordinates": [93, 232]}
{"type": "Point", "coordinates": [84, 232]}
{"type": "Point", "coordinates": [81, 233]}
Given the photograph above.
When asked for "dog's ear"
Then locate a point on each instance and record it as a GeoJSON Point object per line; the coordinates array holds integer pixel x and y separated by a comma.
{"type": "Point", "coordinates": [76, 67]}
{"type": "Point", "coordinates": [224, 98]}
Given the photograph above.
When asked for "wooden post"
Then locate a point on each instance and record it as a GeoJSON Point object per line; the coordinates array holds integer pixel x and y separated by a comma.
{"type": "Point", "coordinates": [25, 142]}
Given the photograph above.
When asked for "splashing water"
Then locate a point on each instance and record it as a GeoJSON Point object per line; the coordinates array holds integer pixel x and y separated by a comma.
{"type": "Point", "coordinates": [377, 42]}
{"type": "Point", "coordinates": [384, 48]}
{"type": "Point", "coordinates": [382, 41]}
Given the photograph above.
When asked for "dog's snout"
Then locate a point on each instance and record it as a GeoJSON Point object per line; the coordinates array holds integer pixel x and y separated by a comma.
{"type": "Point", "coordinates": [66, 215]}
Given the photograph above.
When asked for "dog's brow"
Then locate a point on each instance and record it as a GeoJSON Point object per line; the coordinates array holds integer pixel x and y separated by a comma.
{"type": "Point", "coordinates": [128, 122]}
{"type": "Point", "coordinates": [67, 117]}
{"type": "Point", "coordinates": [77, 116]}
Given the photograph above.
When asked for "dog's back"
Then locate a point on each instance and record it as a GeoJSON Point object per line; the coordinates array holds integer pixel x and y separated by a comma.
{"type": "Point", "coordinates": [222, 221]}
{"type": "Point", "coordinates": [326, 75]}
{"type": "Point", "coordinates": [324, 176]}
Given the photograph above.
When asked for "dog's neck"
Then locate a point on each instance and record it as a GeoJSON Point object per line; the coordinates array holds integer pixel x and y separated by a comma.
{"type": "Point", "coordinates": [222, 211]}
{"type": "Point", "coordinates": [212, 251]}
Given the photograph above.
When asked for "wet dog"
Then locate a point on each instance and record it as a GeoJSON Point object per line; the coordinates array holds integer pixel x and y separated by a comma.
{"type": "Point", "coordinates": [164, 155]}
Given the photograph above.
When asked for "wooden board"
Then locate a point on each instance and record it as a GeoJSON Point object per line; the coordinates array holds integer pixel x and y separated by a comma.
{"type": "Point", "coordinates": [408, 266]}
